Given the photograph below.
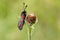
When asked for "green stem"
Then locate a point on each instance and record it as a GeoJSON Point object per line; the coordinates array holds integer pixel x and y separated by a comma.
{"type": "Point", "coordinates": [29, 34]}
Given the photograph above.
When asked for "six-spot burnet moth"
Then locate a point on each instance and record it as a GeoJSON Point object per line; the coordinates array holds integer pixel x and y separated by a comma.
{"type": "Point", "coordinates": [22, 17]}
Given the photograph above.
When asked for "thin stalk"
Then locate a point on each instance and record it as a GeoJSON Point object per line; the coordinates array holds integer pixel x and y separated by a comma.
{"type": "Point", "coordinates": [29, 34]}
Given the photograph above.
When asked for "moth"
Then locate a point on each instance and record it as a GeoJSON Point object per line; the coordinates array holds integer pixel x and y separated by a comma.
{"type": "Point", "coordinates": [21, 22]}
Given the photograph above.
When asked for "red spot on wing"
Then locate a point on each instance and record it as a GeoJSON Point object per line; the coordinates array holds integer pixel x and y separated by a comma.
{"type": "Point", "coordinates": [23, 16]}
{"type": "Point", "coordinates": [20, 25]}
{"type": "Point", "coordinates": [21, 20]}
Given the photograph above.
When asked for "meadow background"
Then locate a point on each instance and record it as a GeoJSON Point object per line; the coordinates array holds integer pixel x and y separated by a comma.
{"type": "Point", "coordinates": [47, 12]}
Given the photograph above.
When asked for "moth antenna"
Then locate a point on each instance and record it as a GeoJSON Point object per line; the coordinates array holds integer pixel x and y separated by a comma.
{"type": "Point", "coordinates": [24, 6]}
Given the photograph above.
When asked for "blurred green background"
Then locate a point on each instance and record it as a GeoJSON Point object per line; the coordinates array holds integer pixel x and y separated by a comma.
{"type": "Point", "coordinates": [47, 12]}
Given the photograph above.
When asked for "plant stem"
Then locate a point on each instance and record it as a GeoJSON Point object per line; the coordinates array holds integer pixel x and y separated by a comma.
{"type": "Point", "coordinates": [29, 34]}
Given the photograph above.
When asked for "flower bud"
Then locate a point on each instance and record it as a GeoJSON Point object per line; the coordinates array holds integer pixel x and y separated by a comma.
{"type": "Point", "coordinates": [31, 19]}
